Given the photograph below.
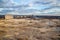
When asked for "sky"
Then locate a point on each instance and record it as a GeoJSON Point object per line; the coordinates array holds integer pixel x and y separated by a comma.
{"type": "Point", "coordinates": [30, 7]}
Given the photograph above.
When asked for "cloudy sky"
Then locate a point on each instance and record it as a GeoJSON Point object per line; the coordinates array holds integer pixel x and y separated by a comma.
{"type": "Point", "coordinates": [30, 7]}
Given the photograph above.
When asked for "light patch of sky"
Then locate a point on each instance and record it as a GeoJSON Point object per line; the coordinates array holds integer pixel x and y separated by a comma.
{"type": "Point", "coordinates": [38, 7]}
{"type": "Point", "coordinates": [20, 2]}
{"type": "Point", "coordinates": [1, 9]}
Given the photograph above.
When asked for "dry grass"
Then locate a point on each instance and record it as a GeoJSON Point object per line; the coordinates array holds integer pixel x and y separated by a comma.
{"type": "Point", "coordinates": [24, 29]}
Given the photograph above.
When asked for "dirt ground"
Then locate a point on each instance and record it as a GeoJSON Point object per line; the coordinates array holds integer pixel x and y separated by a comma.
{"type": "Point", "coordinates": [30, 29]}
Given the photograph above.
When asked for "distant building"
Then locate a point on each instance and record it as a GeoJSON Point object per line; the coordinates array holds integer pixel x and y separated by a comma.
{"type": "Point", "coordinates": [18, 16]}
{"type": "Point", "coordinates": [2, 16]}
{"type": "Point", "coordinates": [8, 16]}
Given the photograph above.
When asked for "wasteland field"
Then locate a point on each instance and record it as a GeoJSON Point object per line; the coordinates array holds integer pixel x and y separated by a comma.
{"type": "Point", "coordinates": [30, 29]}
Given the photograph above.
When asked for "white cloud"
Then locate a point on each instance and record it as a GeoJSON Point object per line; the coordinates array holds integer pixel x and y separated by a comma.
{"type": "Point", "coordinates": [29, 5]}
{"type": "Point", "coordinates": [1, 9]}
{"type": "Point", "coordinates": [13, 13]}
